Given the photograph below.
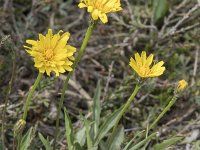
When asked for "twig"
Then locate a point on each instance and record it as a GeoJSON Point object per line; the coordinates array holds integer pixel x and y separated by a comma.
{"type": "Point", "coordinates": [76, 22]}
{"type": "Point", "coordinates": [108, 81]}
{"type": "Point", "coordinates": [167, 20]}
{"type": "Point", "coordinates": [187, 28]}
{"type": "Point", "coordinates": [187, 15]}
{"type": "Point", "coordinates": [130, 11]}
{"type": "Point", "coordinates": [195, 65]}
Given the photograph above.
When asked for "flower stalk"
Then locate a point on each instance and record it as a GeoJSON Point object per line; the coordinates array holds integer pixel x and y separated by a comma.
{"type": "Point", "coordinates": [167, 108]}
{"type": "Point", "coordinates": [124, 109]}
{"type": "Point", "coordinates": [65, 86]}
{"type": "Point", "coordinates": [182, 84]}
{"type": "Point", "coordinates": [26, 106]}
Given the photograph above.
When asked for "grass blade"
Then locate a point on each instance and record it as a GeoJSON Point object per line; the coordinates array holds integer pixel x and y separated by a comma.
{"type": "Point", "coordinates": [69, 131]}
{"type": "Point", "coordinates": [141, 143]}
{"type": "Point", "coordinates": [97, 108]}
{"type": "Point", "coordinates": [107, 125]}
{"type": "Point", "coordinates": [166, 143]}
{"type": "Point", "coordinates": [45, 142]}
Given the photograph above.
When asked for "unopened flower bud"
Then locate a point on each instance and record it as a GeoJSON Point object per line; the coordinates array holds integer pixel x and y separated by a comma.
{"type": "Point", "coordinates": [19, 126]}
{"type": "Point", "coordinates": [182, 84]}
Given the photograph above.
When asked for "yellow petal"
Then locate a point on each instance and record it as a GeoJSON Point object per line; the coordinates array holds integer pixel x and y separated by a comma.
{"type": "Point", "coordinates": [95, 14]}
{"type": "Point", "coordinates": [61, 69]}
{"type": "Point", "coordinates": [90, 9]}
{"type": "Point", "coordinates": [133, 64]}
{"type": "Point", "coordinates": [81, 5]}
{"type": "Point", "coordinates": [149, 60]}
{"type": "Point", "coordinates": [32, 42]}
{"type": "Point", "coordinates": [70, 48]}
{"type": "Point", "coordinates": [143, 57]}
{"type": "Point", "coordinates": [71, 58]}
{"type": "Point", "coordinates": [55, 40]}
{"type": "Point", "coordinates": [48, 70]}
{"type": "Point", "coordinates": [68, 68]}
{"type": "Point", "coordinates": [138, 60]}
{"type": "Point", "coordinates": [103, 18]}
{"type": "Point", "coordinates": [62, 42]}
{"type": "Point", "coordinates": [50, 33]}
{"type": "Point", "coordinates": [157, 66]}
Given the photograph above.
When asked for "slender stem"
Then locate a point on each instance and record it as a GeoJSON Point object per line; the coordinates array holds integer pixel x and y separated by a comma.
{"type": "Point", "coordinates": [124, 109]}
{"type": "Point", "coordinates": [65, 86]}
{"type": "Point", "coordinates": [26, 106]}
{"type": "Point", "coordinates": [173, 100]}
{"type": "Point", "coordinates": [6, 99]}
{"type": "Point", "coordinates": [170, 104]}
{"type": "Point", "coordinates": [138, 145]}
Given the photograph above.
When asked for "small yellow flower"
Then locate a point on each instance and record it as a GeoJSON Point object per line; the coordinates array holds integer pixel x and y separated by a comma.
{"type": "Point", "coordinates": [51, 53]}
{"type": "Point", "coordinates": [141, 65]}
{"type": "Point", "coordinates": [99, 8]}
{"type": "Point", "coordinates": [182, 84]}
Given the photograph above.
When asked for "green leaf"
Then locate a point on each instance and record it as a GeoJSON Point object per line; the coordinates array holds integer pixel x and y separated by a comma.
{"type": "Point", "coordinates": [45, 142]}
{"type": "Point", "coordinates": [107, 125]}
{"type": "Point", "coordinates": [160, 8]}
{"type": "Point", "coordinates": [69, 131]}
{"type": "Point", "coordinates": [167, 143]}
{"type": "Point", "coordinates": [80, 136]}
{"type": "Point", "coordinates": [143, 142]}
{"type": "Point", "coordinates": [1, 146]}
{"type": "Point", "coordinates": [89, 140]}
{"type": "Point", "coordinates": [97, 108]}
{"type": "Point", "coordinates": [118, 138]}
{"type": "Point", "coordinates": [196, 145]}
{"type": "Point", "coordinates": [103, 145]}
{"type": "Point", "coordinates": [129, 143]}
{"type": "Point", "coordinates": [26, 139]}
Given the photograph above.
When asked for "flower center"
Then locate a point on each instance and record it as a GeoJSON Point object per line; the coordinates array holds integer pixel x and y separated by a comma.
{"type": "Point", "coordinates": [48, 54]}
{"type": "Point", "coordinates": [144, 70]}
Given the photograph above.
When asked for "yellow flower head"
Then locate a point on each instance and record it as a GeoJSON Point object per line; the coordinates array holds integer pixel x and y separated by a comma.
{"type": "Point", "coordinates": [141, 65]}
{"type": "Point", "coordinates": [99, 8]}
{"type": "Point", "coordinates": [182, 84]}
{"type": "Point", "coordinates": [51, 53]}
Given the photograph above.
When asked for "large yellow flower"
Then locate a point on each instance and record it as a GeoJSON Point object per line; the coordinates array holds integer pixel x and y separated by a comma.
{"type": "Point", "coordinates": [51, 52]}
{"type": "Point", "coordinates": [141, 65]}
{"type": "Point", "coordinates": [99, 8]}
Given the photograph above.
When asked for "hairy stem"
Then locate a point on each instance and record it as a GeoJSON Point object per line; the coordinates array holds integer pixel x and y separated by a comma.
{"type": "Point", "coordinates": [171, 103]}
{"type": "Point", "coordinates": [26, 106]}
{"type": "Point", "coordinates": [124, 109]}
{"type": "Point", "coordinates": [65, 86]}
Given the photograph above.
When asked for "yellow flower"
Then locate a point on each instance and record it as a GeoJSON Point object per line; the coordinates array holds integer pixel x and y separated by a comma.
{"type": "Point", "coordinates": [51, 53]}
{"type": "Point", "coordinates": [99, 8]}
{"type": "Point", "coordinates": [141, 65]}
{"type": "Point", "coordinates": [182, 84]}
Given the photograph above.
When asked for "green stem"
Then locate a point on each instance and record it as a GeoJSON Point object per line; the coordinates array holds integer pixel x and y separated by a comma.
{"type": "Point", "coordinates": [65, 86]}
{"type": "Point", "coordinates": [173, 100]}
{"type": "Point", "coordinates": [170, 104]}
{"type": "Point", "coordinates": [137, 146]}
{"type": "Point", "coordinates": [124, 109]}
{"type": "Point", "coordinates": [26, 106]}
{"type": "Point", "coordinates": [6, 99]}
